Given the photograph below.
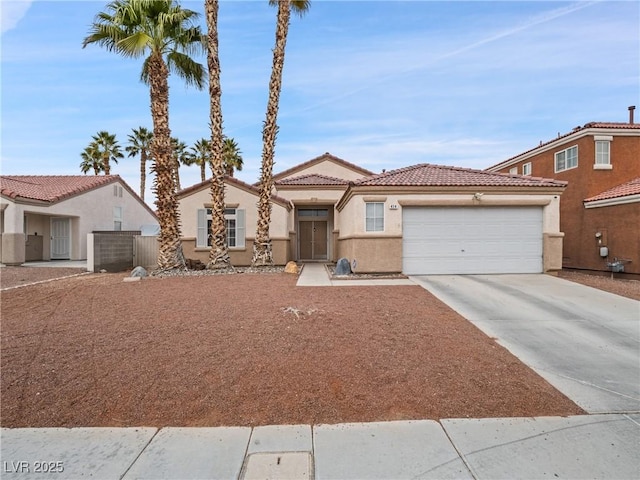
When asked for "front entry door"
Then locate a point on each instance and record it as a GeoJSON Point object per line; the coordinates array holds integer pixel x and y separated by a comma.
{"type": "Point", "coordinates": [60, 239]}
{"type": "Point", "coordinates": [313, 240]}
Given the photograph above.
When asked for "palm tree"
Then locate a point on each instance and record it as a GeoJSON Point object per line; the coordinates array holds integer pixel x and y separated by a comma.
{"type": "Point", "coordinates": [201, 155]}
{"type": "Point", "coordinates": [262, 249]}
{"type": "Point", "coordinates": [109, 149]}
{"type": "Point", "coordinates": [232, 156]}
{"type": "Point", "coordinates": [163, 33]}
{"type": "Point", "coordinates": [219, 253]}
{"type": "Point", "coordinates": [140, 144]}
{"type": "Point", "coordinates": [179, 156]}
{"type": "Point", "coordinates": [91, 159]}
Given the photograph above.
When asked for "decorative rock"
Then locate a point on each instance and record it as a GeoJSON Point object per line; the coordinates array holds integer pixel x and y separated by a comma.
{"type": "Point", "coordinates": [139, 272]}
{"type": "Point", "coordinates": [291, 267]}
{"type": "Point", "coordinates": [343, 267]}
{"type": "Point", "coordinates": [195, 264]}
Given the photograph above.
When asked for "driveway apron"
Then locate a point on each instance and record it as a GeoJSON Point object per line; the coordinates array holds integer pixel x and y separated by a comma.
{"type": "Point", "coordinates": [583, 341]}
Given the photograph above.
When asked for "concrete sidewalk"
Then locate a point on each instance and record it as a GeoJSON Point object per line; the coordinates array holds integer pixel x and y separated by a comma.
{"type": "Point", "coordinates": [590, 446]}
{"type": "Point", "coordinates": [316, 275]}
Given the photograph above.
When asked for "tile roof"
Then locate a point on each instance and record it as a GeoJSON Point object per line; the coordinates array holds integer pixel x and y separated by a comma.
{"type": "Point", "coordinates": [319, 159]}
{"type": "Point", "coordinates": [426, 174]}
{"type": "Point", "coordinates": [313, 179]}
{"type": "Point", "coordinates": [51, 188]}
{"type": "Point", "coordinates": [629, 188]}
{"type": "Point", "coordinates": [603, 125]}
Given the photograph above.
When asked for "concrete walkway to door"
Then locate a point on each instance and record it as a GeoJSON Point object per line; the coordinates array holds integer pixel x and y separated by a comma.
{"type": "Point", "coordinates": [583, 341]}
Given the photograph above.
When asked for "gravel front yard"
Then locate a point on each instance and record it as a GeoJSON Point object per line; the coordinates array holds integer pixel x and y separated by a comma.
{"type": "Point", "coordinates": [249, 349]}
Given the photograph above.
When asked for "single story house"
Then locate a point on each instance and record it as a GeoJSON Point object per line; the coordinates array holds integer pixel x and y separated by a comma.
{"type": "Point", "coordinates": [48, 217]}
{"type": "Point", "coordinates": [423, 219]}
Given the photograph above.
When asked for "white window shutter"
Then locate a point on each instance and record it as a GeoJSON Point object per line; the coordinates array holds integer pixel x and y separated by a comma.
{"type": "Point", "coordinates": [201, 239]}
{"type": "Point", "coordinates": [240, 228]}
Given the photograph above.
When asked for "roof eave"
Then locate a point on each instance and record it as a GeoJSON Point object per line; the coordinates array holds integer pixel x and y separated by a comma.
{"type": "Point", "coordinates": [573, 136]}
{"type": "Point", "coordinates": [610, 202]}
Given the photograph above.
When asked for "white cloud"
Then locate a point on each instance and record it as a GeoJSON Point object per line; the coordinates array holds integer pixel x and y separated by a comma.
{"type": "Point", "coordinates": [12, 12]}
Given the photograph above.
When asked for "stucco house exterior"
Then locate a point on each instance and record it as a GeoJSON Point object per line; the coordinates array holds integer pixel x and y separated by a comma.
{"type": "Point", "coordinates": [423, 219]}
{"type": "Point", "coordinates": [600, 209]}
{"type": "Point", "coordinates": [48, 217]}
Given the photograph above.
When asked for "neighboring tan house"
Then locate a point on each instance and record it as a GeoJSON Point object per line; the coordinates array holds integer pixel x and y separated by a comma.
{"type": "Point", "coordinates": [424, 219]}
{"type": "Point", "coordinates": [48, 217]}
{"type": "Point", "coordinates": [601, 205]}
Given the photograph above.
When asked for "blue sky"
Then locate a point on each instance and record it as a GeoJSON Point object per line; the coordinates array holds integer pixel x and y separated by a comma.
{"type": "Point", "coordinates": [383, 84]}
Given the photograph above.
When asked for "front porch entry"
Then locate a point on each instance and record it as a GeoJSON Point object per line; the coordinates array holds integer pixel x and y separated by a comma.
{"type": "Point", "coordinates": [313, 233]}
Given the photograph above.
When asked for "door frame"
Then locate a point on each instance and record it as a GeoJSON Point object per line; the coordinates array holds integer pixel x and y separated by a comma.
{"type": "Point", "coordinates": [326, 219]}
{"type": "Point", "coordinates": [53, 255]}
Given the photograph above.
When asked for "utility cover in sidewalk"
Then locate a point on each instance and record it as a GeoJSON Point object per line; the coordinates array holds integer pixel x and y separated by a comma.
{"type": "Point", "coordinates": [281, 466]}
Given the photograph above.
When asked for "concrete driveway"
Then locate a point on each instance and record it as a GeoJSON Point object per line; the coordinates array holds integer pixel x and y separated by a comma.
{"type": "Point", "coordinates": [583, 341]}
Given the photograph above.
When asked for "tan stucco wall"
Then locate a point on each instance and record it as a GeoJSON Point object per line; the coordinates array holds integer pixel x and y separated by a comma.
{"type": "Point", "coordinates": [354, 242]}
{"type": "Point", "coordinates": [240, 257]}
{"type": "Point", "coordinates": [310, 196]}
{"type": "Point", "coordinates": [328, 168]}
{"type": "Point", "coordinates": [89, 211]}
{"type": "Point", "coordinates": [189, 205]}
{"type": "Point", "coordinates": [373, 254]}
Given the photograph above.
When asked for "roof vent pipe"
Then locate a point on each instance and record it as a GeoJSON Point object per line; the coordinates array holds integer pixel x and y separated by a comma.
{"type": "Point", "coordinates": [631, 109]}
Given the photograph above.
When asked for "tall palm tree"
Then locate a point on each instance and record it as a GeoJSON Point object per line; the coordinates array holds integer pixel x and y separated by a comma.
{"type": "Point", "coordinates": [232, 156]}
{"type": "Point", "coordinates": [262, 249]}
{"type": "Point", "coordinates": [140, 144]}
{"type": "Point", "coordinates": [163, 33]}
{"type": "Point", "coordinates": [179, 156]}
{"type": "Point", "coordinates": [219, 253]}
{"type": "Point", "coordinates": [109, 149]}
{"type": "Point", "coordinates": [200, 155]}
{"type": "Point", "coordinates": [91, 159]}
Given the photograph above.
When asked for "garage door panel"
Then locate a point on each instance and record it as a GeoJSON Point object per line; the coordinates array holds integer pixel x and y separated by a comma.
{"type": "Point", "coordinates": [472, 240]}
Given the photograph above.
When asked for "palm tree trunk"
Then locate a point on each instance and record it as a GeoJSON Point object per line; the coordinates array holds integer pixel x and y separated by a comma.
{"type": "Point", "coordinates": [219, 253]}
{"type": "Point", "coordinates": [107, 165]}
{"type": "Point", "coordinates": [143, 173]}
{"type": "Point", "coordinates": [176, 174]}
{"type": "Point", "coordinates": [262, 248]}
{"type": "Point", "coordinates": [203, 171]}
{"type": "Point", "coordinates": [170, 254]}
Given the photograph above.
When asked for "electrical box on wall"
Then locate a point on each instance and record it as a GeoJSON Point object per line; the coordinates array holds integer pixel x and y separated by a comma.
{"type": "Point", "coordinates": [604, 252]}
{"type": "Point", "coordinates": [393, 206]}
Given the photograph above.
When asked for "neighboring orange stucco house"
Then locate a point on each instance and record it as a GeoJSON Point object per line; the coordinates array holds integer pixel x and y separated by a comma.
{"type": "Point", "coordinates": [600, 209]}
{"type": "Point", "coordinates": [418, 220]}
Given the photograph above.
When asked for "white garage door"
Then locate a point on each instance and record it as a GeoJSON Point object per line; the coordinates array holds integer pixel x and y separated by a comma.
{"type": "Point", "coordinates": [471, 240]}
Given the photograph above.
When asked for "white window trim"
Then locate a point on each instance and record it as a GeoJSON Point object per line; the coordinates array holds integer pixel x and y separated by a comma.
{"type": "Point", "coordinates": [366, 217]}
{"type": "Point", "coordinates": [602, 139]}
{"type": "Point", "coordinates": [555, 159]}
{"type": "Point", "coordinates": [118, 215]}
{"type": "Point", "coordinates": [526, 169]}
{"type": "Point", "coordinates": [513, 170]}
{"type": "Point", "coordinates": [202, 230]}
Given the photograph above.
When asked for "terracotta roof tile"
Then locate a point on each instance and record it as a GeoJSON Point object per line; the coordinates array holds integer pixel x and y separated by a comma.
{"type": "Point", "coordinates": [606, 125]}
{"type": "Point", "coordinates": [623, 190]}
{"type": "Point", "coordinates": [51, 188]}
{"type": "Point", "coordinates": [441, 175]}
{"type": "Point", "coordinates": [313, 179]}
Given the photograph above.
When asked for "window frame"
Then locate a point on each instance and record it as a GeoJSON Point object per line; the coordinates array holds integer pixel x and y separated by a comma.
{"type": "Point", "coordinates": [565, 159]}
{"type": "Point", "coordinates": [376, 220]}
{"type": "Point", "coordinates": [118, 215]}
{"type": "Point", "coordinates": [203, 227]}
{"type": "Point", "coordinates": [526, 169]}
{"type": "Point", "coordinates": [599, 156]}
